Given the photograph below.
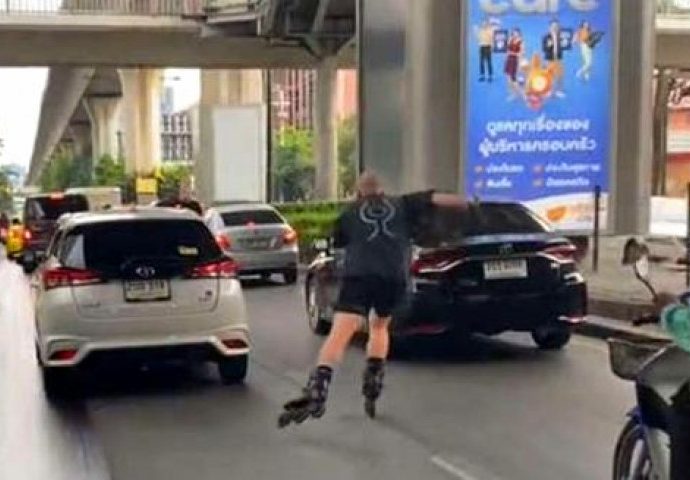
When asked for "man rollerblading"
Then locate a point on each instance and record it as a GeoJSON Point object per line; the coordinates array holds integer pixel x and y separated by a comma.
{"type": "Point", "coordinates": [376, 232]}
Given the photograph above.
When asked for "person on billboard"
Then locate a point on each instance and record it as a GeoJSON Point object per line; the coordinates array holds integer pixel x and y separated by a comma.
{"type": "Point", "coordinates": [584, 37]}
{"type": "Point", "coordinates": [553, 54]}
{"type": "Point", "coordinates": [588, 39]}
{"type": "Point", "coordinates": [485, 37]}
{"type": "Point", "coordinates": [515, 50]}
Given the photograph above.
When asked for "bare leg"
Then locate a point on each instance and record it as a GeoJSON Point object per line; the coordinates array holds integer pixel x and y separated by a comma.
{"type": "Point", "coordinates": [379, 338]}
{"type": "Point", "coordinates": [345, 325]}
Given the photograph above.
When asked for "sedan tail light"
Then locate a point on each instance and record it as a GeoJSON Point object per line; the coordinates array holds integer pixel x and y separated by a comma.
{"type": "Point", "coordinates": [563, 252]}
{"type": "Point", "coordinates": [290, 236]}
{"type": "Point", "coordinates": [434, 263]}
{"type": "Point", "coordinates": [223, 241]}
{"type": "Point", "coordinates": [225, 268]}
{"type": "Point", "coordinates": [28, 235]}
{"type": "Point", "coordinates": [69, 277]}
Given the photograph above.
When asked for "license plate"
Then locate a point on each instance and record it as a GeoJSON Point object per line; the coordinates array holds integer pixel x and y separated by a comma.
{"type": "Point", "coordinates": [258, 244]}
{"type": "Point", "coordinates": [505, 269]}
{"type": "Point", "coordinates": [147, 290]}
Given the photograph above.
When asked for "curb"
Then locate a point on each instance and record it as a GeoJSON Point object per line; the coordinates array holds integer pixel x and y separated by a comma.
{"type": "Point", "coordinates": [603, 331]}
{"type": "Point", "coordinates": [624, 311]}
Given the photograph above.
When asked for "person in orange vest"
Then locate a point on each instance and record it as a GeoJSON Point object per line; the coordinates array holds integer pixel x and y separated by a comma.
{"type": "Point", "coordinates": [15, 239]}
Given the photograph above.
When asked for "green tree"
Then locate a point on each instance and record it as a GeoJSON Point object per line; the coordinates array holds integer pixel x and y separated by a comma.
{"type": "Point", "coordinates": [171, 177]}
{"type": "Point", "coordinates": [294, 164]}
{"type": "Point", "coordinates": [347, 156]}
{"type": "Point", "coordinates": [109, 172]}
{"type": "Point", "coordinates": [64, 171]}
{"type": "Point", "coordinates": [6, 191]}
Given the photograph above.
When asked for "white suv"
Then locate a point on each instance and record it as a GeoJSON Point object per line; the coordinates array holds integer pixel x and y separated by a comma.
{"type": "Point", "coordinates": [142, 284]}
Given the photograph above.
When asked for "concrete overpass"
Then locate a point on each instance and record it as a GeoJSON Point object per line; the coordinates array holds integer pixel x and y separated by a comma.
{"type": "Point", "coordinates": [230, 35]}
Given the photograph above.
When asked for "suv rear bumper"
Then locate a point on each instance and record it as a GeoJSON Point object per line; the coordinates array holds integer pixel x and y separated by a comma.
{"type": "Point", "coordinates": [224, 342]}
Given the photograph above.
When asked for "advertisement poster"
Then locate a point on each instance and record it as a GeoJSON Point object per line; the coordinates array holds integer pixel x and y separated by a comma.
{"type": "Point", "coordinates": [539, 105]}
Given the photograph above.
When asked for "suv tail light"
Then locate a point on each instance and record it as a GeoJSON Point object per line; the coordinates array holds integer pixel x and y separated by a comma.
{"type": "Point", "coordinates": [223, 241]}
{"type": "Point", "coordinates": [28, 235]}
{"type": "Point", "coordinates": [226, 268]}
{"type": "Point", "coordinates": [69, 277]}
{"type": "Point", "coordinates": [290, 236]}
{"type": "Point", "coordinates": [563, 251]}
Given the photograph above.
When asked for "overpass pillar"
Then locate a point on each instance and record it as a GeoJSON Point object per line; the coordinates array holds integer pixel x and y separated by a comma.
{"type": "Point", "coordinates": [431, 130]}
{"type": "Point", "coordinates": [81, 140]}
{"type": "Point", "coordinates": [633, 170]}
{"type": "Point", "coordinates": [141, 89]}
{"type": "Point", "coordinates": [325, 130]}
{"type": "Point", "coordinates": [410, 105]}
{"type": "Point", "coordinates": [103, 112]}
{"type": "Point", "coordinates": [220, 88]}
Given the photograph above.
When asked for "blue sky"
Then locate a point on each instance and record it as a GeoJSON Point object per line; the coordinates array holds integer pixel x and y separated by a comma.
{"type": "Point", "coordinates": [21, 91]}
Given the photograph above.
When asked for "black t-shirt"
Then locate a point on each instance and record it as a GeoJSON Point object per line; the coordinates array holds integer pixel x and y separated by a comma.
{"type": "Point", "coordinates": [377, 231]}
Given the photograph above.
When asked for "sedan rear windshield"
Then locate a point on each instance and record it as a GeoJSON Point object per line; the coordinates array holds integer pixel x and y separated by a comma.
{"type": "Point", "coordinates": [51, 208]}
{"type": "Point", "coordinates": [256, 217]}
{"type": "Point", "coordinates": [108, 247]}
{"type": "Point", "coordinates": [449, 226]}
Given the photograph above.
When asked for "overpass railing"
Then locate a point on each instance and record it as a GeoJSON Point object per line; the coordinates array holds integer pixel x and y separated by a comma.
{"type": "Point", "coordinates": [673, 7]}
{"type": "Point", "coordinates": [174, 8]}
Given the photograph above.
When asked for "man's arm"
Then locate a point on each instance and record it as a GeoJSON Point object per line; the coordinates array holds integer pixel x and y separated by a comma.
{"type": "Point", "coordinates": [449, 200]}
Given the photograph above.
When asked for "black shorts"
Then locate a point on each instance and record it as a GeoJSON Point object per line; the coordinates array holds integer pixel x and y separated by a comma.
{"type": "Point", "coordinates": [360, 295]}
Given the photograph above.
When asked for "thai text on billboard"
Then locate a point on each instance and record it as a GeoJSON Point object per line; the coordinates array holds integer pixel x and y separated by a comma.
{"type": "Point", "coordinates": [539, 103]}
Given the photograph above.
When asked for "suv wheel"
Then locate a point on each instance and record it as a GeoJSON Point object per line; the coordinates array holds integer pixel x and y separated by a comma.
{"type": "Point", "coordinates": [233, 370]}
{"type": "Point", "coordinates": [59, 382]}
{"type": "Point", "coordinates": [552, 337]}
{"type": "Point", "coordinates": [290, 276]}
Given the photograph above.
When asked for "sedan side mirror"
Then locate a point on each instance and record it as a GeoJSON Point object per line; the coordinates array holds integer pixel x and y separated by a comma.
{"type": "Point", "coordinates": [321, 245]}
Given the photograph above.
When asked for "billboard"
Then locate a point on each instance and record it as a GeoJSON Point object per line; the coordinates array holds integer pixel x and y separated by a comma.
{"type": "Point", "coordinates": [539, 96]}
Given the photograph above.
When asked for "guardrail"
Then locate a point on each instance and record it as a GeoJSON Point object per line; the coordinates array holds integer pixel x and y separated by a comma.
{"type": "Point", "coordinates": [125, 7]}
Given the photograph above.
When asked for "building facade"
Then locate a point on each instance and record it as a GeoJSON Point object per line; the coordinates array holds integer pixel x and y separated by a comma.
{"type": "Point", "coordinates": [293, 97]}
{"type": "Point", "coordinates": [177, 137]}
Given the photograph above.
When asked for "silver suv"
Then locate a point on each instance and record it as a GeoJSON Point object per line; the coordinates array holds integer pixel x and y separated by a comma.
{"type": "Point", "coordinates": [138, 283]}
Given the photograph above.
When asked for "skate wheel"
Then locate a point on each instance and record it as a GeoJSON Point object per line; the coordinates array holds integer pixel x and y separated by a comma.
{"type": "Point", "coordinates": [284, 420]}
{"type": "Point", "coordinates": [370, 408]}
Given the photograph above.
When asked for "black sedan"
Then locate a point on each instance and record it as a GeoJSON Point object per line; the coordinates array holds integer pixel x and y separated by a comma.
{"type": "Point", "coordinates": [496, 268]}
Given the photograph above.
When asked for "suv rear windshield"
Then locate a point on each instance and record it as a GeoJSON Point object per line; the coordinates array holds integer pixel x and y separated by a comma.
{"type": "Point", "coordinates": [485, 219]}
{"type": "Point", "coordinates": [257, 217]}
{"type": "Point", "coordinates": [51, 208]}
{"type": "Point", "coordinates": [107, 247]}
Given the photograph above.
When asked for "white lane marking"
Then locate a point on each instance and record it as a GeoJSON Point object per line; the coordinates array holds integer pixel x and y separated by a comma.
{"type": "Point", "coordinates": [451, 469]}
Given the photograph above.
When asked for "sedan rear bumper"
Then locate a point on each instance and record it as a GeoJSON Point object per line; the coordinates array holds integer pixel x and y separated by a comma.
{"type": "Point", "coordinates": [494, 314]}
{"type": "Point", "coordinates": [265, 261]}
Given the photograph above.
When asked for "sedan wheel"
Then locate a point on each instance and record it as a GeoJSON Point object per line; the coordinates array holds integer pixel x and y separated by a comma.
{"type": "Point", "coordinates": [317, 323]}
{"type": "Point", "coordinates": [552, 337]}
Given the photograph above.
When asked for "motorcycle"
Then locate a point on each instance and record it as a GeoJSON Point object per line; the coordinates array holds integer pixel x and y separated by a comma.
{"type": "Point", "coordinates": [655, 442]}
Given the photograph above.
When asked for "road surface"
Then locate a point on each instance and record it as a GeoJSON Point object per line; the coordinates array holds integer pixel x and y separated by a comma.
{"type": "Point", "coordinates": [493, 410]}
